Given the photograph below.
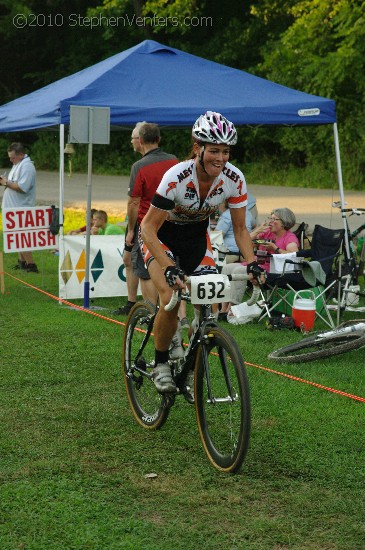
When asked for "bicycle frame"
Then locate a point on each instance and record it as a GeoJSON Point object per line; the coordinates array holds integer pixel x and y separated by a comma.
{"type": "Point", "coordinates": [143, 345]}
{"type": "Point", "coordinates": [357, 327]}
{"type": "Point", "coordinates": [207, 319]}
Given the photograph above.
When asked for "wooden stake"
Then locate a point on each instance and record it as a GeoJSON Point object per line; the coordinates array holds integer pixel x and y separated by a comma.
{"type": "Point", "coordinates": [2, 281]}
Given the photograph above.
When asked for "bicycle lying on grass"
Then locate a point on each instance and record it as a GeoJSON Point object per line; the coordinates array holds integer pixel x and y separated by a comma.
{"type": "Point", "coordinates": [221, 390]}
{"type": "Point", "coordinates": [346, 337]}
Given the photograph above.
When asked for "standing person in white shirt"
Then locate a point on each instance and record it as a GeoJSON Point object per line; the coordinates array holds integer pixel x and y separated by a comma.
{"type": "Point", "coordinates": [20, 191]}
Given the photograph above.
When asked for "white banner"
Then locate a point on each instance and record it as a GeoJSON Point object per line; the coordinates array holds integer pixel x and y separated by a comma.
{"type": "Point", "coordinates": [107, 270]}
{"type": "Point", "coordinates": [27, 229]}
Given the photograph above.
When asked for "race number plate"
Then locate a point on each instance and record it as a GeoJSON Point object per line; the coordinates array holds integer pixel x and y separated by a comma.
{"type": "Point", "coordinates": [210, 289]}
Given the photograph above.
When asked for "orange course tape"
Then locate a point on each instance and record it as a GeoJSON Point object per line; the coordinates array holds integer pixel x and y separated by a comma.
{"type": "Point", "coordinates": [279, 373]}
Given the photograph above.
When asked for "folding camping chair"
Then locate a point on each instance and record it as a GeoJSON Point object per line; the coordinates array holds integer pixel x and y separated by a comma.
{"type": "Point", "coordinates": [326, 245]}
{"type": "Point", "coordinates": [301, 231]}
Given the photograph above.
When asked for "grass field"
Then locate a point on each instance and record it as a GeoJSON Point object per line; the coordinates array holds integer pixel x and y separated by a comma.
{"type": "Point", "coordinates": [74, 464]}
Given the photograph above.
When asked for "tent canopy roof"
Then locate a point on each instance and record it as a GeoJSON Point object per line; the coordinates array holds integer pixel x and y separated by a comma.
{"type": "Point", "coordinates": [167, 86]}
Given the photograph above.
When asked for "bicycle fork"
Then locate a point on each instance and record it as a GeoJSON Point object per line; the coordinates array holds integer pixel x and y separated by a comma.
{"type": "Point", "coordinates": [230, 398]}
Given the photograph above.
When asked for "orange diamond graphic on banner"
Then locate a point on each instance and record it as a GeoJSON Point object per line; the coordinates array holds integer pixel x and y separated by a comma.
{"type": "Point", "coordinates": [80, 266]}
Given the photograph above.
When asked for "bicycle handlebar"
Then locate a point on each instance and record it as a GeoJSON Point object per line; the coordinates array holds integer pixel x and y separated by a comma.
{"type": "Point", "coordinates": [172, 303]}
{"type": "Point", "coordinates": [356, 211]}
{"type": "Point", "coordinates": [234, 277]}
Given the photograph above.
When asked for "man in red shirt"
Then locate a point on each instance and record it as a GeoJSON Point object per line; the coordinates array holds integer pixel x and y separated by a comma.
{"type": "Point", "coordinates": [146, 175]}
{"type": "Point", "coordinates": [131, 279]}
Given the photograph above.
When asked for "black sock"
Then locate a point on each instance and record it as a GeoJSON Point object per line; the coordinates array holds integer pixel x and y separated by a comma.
{"type": "Point", "coordinates": [161, 356]}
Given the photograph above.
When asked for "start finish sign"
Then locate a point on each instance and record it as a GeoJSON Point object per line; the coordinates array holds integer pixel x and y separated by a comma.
{"type": "Point", "coordinates": [28, 229]}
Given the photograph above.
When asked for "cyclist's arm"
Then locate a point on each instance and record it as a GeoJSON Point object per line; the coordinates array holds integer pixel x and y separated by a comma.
{"type": "Point", "coordinates": [150, 226]}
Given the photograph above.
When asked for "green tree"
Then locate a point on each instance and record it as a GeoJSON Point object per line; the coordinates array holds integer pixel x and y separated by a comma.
{"type": "Point", "coordinates": [315, 46]}
{"type": "Point", "coordinates": [44, 41]}
{"type": "Point", "coordinates": [199, 27]}
{"type": "Point", "coordinates": [323, 52]}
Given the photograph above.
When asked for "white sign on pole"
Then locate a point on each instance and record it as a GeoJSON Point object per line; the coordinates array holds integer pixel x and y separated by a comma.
{"type": "Point", "coordinates": [89, 125]}
{"type": "Point", "coordinates": [28, 229]}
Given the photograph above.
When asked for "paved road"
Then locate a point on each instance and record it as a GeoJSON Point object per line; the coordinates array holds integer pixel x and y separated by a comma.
{"type": "Point", "coordinates": [110, 193]}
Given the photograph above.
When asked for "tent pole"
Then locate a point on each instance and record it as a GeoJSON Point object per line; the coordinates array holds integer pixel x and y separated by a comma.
{"type": "Point", "coordinates": [62, 174]}
{"type": "Point", "coordinates": [340, 187]}
{"type": "Point", "coordinates": [88, 211]}
{"type": "Point", "coordinates": [343, 214]}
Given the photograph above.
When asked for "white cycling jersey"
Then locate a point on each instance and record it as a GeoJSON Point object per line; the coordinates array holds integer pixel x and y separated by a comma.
{"type": "Point", "coordinates": [178, 193]}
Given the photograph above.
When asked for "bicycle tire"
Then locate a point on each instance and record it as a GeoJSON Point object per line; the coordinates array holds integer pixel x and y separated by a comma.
{"type": "Point", "coordinates": [148, 406]}
{"type": "Point", "coordinates": [224, 426]}
{"type": "Point", "coordinates": [311, 348]}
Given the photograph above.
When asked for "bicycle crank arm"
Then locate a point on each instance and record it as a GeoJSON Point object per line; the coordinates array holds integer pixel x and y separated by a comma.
{"type": "Point", "coordinates": [227, 399]}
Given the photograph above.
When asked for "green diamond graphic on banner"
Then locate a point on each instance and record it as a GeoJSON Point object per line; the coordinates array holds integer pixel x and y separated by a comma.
{"type": "Point", "coordinates": [97, 267]}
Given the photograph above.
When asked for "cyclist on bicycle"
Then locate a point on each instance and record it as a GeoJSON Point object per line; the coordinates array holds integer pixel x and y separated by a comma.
{"type": "Point", "coordinates": [175, 226]}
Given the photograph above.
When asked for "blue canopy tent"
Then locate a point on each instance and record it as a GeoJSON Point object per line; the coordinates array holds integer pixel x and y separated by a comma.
{"type": "Point", "coordinates": [170, 87]}
{"type": "Point", "coordinates": [155, 82]}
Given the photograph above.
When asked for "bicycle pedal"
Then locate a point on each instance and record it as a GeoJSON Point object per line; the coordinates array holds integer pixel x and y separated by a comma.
{"type": "Point", "coordinates": [169, 400]}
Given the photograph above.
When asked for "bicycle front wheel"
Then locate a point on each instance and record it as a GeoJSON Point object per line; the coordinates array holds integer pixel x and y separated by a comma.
{"type": "Point", "coordinates": [313, 347]}
{"type": "Point", "coordinates": [148, 406]}
{"type": "Point", "coordinates": [222, 400]}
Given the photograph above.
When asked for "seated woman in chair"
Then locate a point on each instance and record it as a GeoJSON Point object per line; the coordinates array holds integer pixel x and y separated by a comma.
{"type": "Point", "coordinates": [278, 239]}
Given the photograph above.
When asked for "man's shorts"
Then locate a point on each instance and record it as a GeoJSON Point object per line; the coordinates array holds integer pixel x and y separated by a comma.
{"type": "Point", "coordinates": [138, 264]}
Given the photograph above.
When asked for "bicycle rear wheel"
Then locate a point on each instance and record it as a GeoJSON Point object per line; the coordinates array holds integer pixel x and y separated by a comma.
{"type": "Point", "coordinates": [148, 406]}
{"type": "Point", "coordinates": [224, 415]}
{"type": "Point", "coordinates": [313, 347]}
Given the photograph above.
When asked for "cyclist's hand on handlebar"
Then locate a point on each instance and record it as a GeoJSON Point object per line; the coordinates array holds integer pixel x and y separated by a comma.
{"type": "Point", "coordinates": [255, 273]}
{"type": "Point", "coordinates": [175, 277]}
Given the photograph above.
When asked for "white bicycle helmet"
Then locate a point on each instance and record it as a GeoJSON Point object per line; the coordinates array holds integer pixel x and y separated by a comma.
{"type": "Point", "coordinates": [214, 128]}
